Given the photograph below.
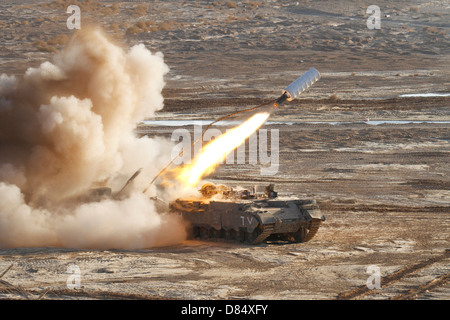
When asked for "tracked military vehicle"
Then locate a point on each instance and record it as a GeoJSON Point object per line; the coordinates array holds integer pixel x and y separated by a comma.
{"type": "Point", "coordinates": [249, 216]}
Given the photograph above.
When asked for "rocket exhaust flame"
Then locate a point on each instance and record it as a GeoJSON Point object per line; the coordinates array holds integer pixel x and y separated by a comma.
{"type": "Point", "coordinates": [219, 148]}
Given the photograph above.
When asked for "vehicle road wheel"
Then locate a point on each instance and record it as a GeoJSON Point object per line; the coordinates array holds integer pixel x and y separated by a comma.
{"type": "Point", "coordinates": [204, 233]}
{"type": "Point", "coordinates": [250, 237]}
{"type": "Point", "coordinates": [300, 235]}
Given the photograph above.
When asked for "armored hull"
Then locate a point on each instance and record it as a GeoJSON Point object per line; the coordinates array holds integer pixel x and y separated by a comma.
{"type": "Point", "coordinates": [250, 218]}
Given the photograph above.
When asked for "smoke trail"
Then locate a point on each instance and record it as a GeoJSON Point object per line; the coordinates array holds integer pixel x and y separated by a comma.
{"type": "Point", "coordinates": [68, 126]}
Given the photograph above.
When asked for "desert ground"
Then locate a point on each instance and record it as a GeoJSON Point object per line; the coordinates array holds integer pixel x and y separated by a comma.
{"type": "Point", "coordinates": [373, 155]}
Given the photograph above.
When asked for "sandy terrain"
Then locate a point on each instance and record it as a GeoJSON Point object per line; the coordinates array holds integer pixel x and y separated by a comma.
{"type": "Point", "coordinates": [384, 188]}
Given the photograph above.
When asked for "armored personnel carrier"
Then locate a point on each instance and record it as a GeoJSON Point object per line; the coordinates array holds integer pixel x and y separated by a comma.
{"type": "Point", "coordinates": [249, 216]}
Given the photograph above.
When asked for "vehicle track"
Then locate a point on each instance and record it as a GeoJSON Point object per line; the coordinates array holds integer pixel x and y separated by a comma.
{"type": "Point", "coordinates": [33, 294]}
{"type": "Point", "coordinates": [429, 286]}
{"type": "Point", "coordinates": [403, 273]}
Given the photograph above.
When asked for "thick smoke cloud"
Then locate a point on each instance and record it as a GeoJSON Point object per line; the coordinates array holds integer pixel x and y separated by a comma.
{"type": "Point", "coordinates": [68, 126]}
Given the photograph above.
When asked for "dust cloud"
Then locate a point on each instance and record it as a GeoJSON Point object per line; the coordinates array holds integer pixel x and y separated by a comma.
{"type": "Point", "coordinates": [67, 127]}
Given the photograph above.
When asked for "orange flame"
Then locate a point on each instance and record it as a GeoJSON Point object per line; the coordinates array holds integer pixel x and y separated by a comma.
{"type": "Point", "coordinates": [218, 149]}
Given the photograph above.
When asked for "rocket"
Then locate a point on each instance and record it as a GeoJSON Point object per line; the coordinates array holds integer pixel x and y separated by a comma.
{"type": "Point", "coordinates": [296, 88]}
{"type": "Point", "coordinates": [291, 92]}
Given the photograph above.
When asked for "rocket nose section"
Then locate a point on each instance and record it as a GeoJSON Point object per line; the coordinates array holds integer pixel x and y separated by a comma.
{"type": "Point", "coordinates": [301, 84]}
